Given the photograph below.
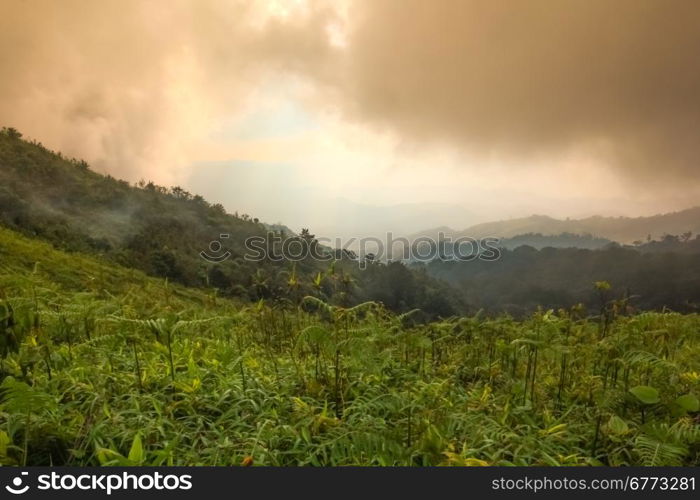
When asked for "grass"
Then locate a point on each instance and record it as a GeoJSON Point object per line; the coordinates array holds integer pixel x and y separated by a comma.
{"type": "Point", "coordinates": [104, 365]}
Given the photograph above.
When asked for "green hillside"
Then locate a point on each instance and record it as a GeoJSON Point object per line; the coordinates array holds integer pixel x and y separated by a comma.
{"type": "Point", "coordinates": [104, 365]}
{"type": "Point", "coordinates": [29, 262]}
{"type": "Point", "coordinates": [162, 231]}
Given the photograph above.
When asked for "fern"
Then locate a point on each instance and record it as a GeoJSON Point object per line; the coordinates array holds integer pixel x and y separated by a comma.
{"type": "Point", "coordinates": [660, 446]}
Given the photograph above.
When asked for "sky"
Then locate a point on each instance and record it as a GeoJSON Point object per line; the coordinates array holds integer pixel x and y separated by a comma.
{"type": "Point", "coordinates": [358, 116]}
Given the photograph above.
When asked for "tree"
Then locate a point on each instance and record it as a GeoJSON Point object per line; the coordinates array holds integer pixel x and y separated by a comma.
{"type": "Point", "coordinates": [307, 236]}
{"type": "Point", "coordinates": [12, 133]}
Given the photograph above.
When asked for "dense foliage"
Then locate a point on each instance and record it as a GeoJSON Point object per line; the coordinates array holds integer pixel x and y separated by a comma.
{"type": "Point", "coordinates": [104, 365]}
{"type": "Point", "coordinates": [161, 231]}
{"type": "Point", "coordinates": [525, 278]}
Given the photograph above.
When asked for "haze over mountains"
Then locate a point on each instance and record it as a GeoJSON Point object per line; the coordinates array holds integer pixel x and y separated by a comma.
{"type": "Point", "coordinates": [625, 230]}
{"type": "Point", "coordinates": [162, 231]}
{"type": "Point", "coordinates": [347, 219]}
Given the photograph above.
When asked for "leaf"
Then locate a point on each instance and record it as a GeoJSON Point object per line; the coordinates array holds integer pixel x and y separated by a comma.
{"type": "Point", "coordinates": [4, 441]}
{"type": "Point", "coordinates": [554, 430]}
{"type": "Point", "coordinates": [689, 402]}
{"type": "Point", "coordinates": [655, 451]}
{"type": "Point", "coordinates": [136, 452]}
{"type": "Point", "coordinates": [109, 457]}
{"type": "Point", "coordinates": [18, 397]}
{"type": "Point", "coordinates": [646, 394]}
{"type": "Point", "coordinates": [617, 426]}
{"type": "Point", "coordinates": [306, 434]}
{"type": "Point", "coordinates": [455, 459]}
{"type": "Point", "coordinates": [475, 462]}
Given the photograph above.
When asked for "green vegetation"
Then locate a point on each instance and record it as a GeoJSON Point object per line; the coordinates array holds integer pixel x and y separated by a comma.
{"type": "Point", "coordinates": [104, 365]}
{"type": "Point", "coordinates": [161, 231]}
{"type": "Point", "coordinates": [660, 276]}
{"type": "Point", "coordinates": [120, 345]}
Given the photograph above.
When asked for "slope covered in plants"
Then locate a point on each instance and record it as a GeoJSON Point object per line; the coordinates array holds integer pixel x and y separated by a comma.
{"type": "Point", "coordinates": [103, 365]}
{"type": "Point", "coordinates": [161, 231]}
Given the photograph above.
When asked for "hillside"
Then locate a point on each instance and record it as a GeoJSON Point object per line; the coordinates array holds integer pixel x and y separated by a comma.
{"type": "Point", "coordinates": [563, 240]}
{"type": "Point", "coordinates": [55, 275]}
{"type": "Point", "coordinates": [162, 231]}
{"type": "Point", "coordinates": [525, 278]}
{"type": "Point", "coordinates": [102, 365]}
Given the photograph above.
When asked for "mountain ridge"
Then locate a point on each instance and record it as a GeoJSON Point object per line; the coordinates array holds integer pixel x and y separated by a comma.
{"type": "Point", "coordinates": [626, 230]}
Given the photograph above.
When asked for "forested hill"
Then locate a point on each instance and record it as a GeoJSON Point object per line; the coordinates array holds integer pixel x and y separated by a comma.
{"type": "Point", "coordinates": [158, 230]}
{"type": "Point", "coordinates": [62, 200]}
{"type": "Point", "coordinates": [526, 278]}
{"type": "Point", "coordinates": [162, 231]}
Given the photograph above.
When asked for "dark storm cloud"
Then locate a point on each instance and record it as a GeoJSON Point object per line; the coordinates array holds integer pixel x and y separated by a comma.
{"type": "Point", "coordinates": [619, 79]}
{"type": "Point", "coordinates": [132, 84]}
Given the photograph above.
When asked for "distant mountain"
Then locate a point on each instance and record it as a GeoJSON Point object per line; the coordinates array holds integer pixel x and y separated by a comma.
{"type": "Point", "coordinates": [620, 229]}
{"type": "Point", "coordinates": [563, 240]}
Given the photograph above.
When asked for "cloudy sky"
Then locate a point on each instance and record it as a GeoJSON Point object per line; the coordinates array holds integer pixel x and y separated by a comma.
{"type": "Point", "coordinates": [320, 113]}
